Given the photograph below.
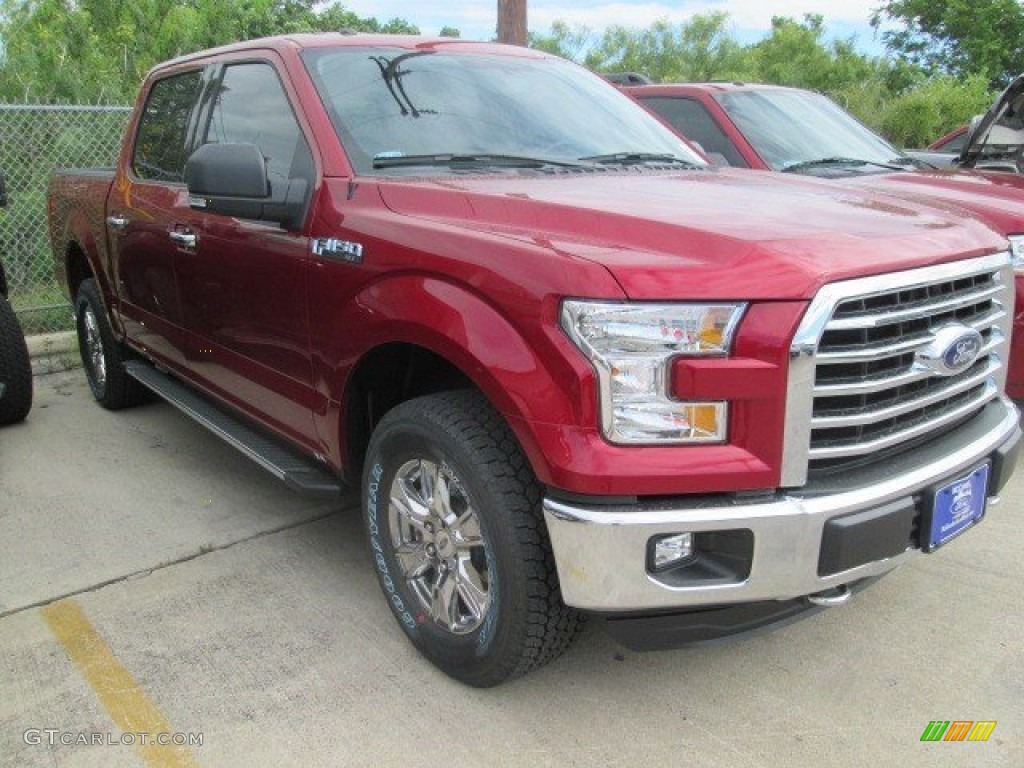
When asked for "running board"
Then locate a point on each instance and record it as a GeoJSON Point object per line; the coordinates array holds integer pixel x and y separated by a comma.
{"type": "Point", "coordinates": [297, 471]}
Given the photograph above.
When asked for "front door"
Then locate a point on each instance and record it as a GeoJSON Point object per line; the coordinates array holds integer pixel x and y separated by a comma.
{"type": "Point", "coordinates": [243, 283]}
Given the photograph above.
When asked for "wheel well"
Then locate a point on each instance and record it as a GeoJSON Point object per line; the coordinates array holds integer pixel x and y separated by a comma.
{"type": "Point", "coordinates": [385, 377]}
{"type": "Point", "coordinates": [78, 268]}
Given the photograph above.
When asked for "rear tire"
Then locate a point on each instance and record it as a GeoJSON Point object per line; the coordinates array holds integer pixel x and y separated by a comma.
{"type": "Point", "coordinates": [102, 354]}
{"type": "Point", "coordinates": [15, 368]}
{"type": "Point", "coordinates": [459, 544]}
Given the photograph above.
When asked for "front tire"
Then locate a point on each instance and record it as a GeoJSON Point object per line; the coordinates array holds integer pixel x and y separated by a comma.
{"type": "Point", "coordinates": [461, 551]}
{"type": "Point", "coordinates": [15, 368]}
{"type": "Point", "coordinates": [102, 355]}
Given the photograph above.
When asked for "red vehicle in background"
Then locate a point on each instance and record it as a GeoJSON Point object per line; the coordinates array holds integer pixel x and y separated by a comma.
{"type": "Point", "coordinates": [790, 130]}
{"type": "Point", "coordinates": [952, 142]}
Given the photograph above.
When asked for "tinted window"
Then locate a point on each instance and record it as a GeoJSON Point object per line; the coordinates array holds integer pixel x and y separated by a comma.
{"type": "Point", "coordinates": [161, 147]}
{"type": "Point", "coordinates": [389, 103]}
{"type": "Point", "coordinates": [955, 144]}
{"type": "Point", "coordinates": [791, 127]}
{"type": "Point", "coordinates": [692, 119]}
{"type": "Point", "coordinates": [251, 107]}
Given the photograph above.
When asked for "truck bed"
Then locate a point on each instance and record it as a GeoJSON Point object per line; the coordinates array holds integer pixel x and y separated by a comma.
{"type": "Point", "coordinates": [76, 212]}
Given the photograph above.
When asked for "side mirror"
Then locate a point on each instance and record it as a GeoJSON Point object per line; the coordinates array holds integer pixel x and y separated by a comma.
{"type": "Point", "coordinates": [232, 179]}
{"type": "Point", "coordinates": [228, 170]}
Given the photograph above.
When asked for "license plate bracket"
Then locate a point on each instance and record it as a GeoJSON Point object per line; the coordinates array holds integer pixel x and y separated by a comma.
{"type": "Point", "coordinates": [952, 508]}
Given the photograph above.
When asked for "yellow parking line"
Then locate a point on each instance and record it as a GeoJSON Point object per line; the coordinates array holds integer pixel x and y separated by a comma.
{"type": "Point", "coordinates": [128, 705]}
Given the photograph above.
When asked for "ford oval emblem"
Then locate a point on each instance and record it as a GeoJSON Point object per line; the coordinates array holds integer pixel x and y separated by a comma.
{"type": "Point", "coordinates": [953, 349]}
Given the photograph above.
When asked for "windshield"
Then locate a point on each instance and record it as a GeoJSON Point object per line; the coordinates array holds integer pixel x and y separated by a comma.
{"type": "Point", "coordinates": [391, 106]}
{"type": "Point", "coordinates": [788, 128]}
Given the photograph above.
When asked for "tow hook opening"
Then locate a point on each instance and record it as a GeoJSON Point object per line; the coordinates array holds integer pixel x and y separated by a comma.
{"type": "Point", "coordinates": [830, 598]}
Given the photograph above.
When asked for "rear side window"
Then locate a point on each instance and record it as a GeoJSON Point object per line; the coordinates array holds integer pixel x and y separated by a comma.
{"type": "Point", "coordinates": [692, 119]}
{"type": "Point", "coordinates": [251, 107]}
{"type": "Point", "coordinates": [955, 144]}
{"type": "Point", "coordinates": [162, 145]}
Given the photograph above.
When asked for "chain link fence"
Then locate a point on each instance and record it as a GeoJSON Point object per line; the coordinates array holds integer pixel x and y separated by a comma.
{"type": "Point", "coordinates": [34, 141]}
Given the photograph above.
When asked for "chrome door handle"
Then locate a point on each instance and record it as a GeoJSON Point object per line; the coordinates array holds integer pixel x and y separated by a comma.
{"type": "Point", "coordinates": [185, 239]}
{"type": "Point", "coordinates": [117, 221]}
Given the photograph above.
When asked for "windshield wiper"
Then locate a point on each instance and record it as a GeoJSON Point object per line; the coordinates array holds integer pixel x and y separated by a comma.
{"type": "Point", "coordinates": [802, 164]}
{"type": "Point", "coordinates": [635, 158]}
{"type": "Point", "coordinates": [468, 160]}
{"type": "Point", "coordinates": [907, 161]}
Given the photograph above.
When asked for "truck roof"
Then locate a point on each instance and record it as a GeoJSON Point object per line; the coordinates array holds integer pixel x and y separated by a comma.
{"type": "Point", "coordinates": [710, 87]}
{"type": "Point", "coordinates": [302, 41]}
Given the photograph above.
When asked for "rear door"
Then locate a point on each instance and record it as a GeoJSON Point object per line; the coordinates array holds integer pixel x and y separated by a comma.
{"type": "Point", "coordinates": [145, 206]}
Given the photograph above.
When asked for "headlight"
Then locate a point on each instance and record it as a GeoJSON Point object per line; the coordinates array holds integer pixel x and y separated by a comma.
{"type": "Point", "coordinates": [1017, 251]}
{"type": "Point", "coordinates": [631, 346]}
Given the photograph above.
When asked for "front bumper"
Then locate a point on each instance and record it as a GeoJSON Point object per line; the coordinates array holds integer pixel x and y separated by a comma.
{"type": "Point", "coordinates": [601, 551]}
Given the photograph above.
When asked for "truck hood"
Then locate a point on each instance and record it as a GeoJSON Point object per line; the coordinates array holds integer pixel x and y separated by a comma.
{"type": "Point", "coordinates": [995, 196]}
{"type": "Point", "coordinates": [701, 234]}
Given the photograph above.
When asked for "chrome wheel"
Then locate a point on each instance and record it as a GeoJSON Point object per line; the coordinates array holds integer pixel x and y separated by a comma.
{"type": "Point", "coordinates": [94, 347]}
{"type": "Point", "coordinates": [438, 545]}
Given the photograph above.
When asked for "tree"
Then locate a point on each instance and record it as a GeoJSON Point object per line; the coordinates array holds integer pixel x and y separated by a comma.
{"type": "Point", "coordinates": [958, 37]}
{"type": "Point", "coordinates": [699, 49]}
{"type": "Point", "coordinates": [563, 40]}
{"type": "Point", "coordinates": [97, 51]}
{"type": "Point", "coordinates": [932, 108]}
{"type": "Point", "coordinates": [796, 53]}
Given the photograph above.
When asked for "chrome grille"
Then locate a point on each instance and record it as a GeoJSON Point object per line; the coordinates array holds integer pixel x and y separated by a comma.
{"type": "Point", "coordinates": [855, 362]}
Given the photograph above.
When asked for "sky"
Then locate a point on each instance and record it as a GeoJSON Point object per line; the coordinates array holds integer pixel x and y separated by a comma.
{"type": "Point", "coordinates": [751, 19]}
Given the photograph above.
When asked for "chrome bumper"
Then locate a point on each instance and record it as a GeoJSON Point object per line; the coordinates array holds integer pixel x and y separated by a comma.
{"type": "Point", "coordinates": [601, 551]}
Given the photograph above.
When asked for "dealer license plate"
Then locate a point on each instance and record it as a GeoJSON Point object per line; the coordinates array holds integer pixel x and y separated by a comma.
{"type": "Point", "coordinates": [957, 506]}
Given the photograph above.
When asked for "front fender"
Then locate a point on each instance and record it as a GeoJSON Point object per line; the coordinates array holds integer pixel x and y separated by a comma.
{"type": "Point", "coordinates": [522, 362]}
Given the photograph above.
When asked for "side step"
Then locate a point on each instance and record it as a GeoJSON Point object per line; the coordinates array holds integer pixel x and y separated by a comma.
{"type": "Point", "coordinates": [298, 472]}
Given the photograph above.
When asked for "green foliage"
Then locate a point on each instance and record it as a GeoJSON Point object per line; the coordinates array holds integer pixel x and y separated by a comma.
{"type": "Point", "coordinates": [563, 40]}
{"type": "Point", "coordinates": [701, 49]}
{"type": "Point", "coordinates": [794, 54]}
{"type": "Point", "coordinates": [958, 37]}
{"type": "Point", "coordinates": [934, 108]}
{"type": "Point", "coordinates": [97, 51]}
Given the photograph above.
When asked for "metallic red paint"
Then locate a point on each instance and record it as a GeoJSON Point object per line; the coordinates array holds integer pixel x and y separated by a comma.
{"type": "Point", "coordinates": [474, 269]}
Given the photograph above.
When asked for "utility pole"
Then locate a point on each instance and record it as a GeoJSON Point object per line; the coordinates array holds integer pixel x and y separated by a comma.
{"type": "Point", "coordinates": [512, 22]}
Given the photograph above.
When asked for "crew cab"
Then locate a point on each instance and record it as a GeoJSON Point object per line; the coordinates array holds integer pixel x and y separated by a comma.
{"type": "Point", "coordinates": [575, 369]}
{"type": "Point", "coordinates": [775, 128]}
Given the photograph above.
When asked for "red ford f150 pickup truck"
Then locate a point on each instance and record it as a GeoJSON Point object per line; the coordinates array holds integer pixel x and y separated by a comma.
{"type": "Point", "coordinates": [774, 128]}
{"type": "Point", "coordinates": [575, 369]}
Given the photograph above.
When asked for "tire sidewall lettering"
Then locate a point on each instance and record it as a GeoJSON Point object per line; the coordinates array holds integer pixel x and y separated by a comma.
{"type": "Point", "coordinates": [384, 573]}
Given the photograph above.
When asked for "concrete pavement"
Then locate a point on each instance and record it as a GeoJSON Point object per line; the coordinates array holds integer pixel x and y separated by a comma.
{"type": "Point", "coordinates": [251, 617]}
